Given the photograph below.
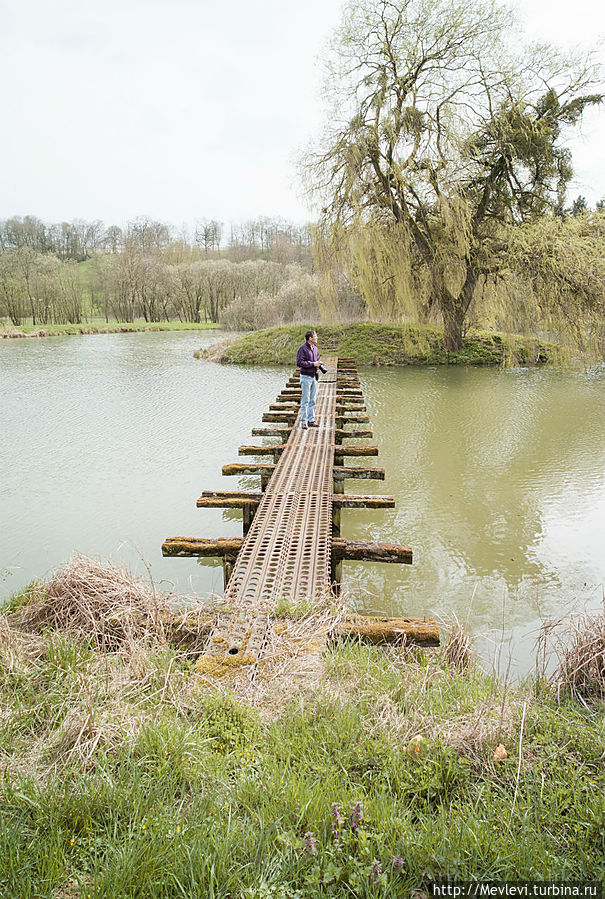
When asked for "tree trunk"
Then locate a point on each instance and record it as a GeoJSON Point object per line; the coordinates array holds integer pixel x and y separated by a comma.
{"type": "Point", "coordinates": [454, 310]}
{"type": "Point", "coordinates": [453, 321]}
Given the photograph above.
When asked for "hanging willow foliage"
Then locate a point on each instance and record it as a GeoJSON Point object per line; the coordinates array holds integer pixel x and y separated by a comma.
{"type": "Point", "coordinates": [547, 277]}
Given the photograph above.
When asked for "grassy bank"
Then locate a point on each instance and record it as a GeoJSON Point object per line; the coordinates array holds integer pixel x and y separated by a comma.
{"type": "Point", "coordinates": [124, 774]}
{"type": "Point", "coordinates": [99, 328]}
{"type": "Point", "coordinates": [370, 343]}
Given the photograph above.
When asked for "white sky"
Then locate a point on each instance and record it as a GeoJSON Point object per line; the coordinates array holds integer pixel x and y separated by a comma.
{"type": "Point", "coordinates": [185, 109]}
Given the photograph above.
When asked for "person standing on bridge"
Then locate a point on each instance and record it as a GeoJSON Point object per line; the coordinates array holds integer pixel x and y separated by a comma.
{"type": "Point", "coordinates": [307, 359]}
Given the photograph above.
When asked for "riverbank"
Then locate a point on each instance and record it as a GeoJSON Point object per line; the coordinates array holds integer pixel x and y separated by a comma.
{"type": "Point", "coordinates": [124, 773]}
{"type": "Point", "coordinates": [370, 343]}
{"type": "Point", "coordinates": [116, 328]}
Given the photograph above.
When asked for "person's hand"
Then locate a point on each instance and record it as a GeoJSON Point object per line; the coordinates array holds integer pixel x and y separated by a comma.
{"type": "Point", "coordinates": [317, 364]}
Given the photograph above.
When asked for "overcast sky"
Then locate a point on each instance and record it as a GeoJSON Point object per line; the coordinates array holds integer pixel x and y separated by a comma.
{"type": "Point", "coordinates": [185, 109]}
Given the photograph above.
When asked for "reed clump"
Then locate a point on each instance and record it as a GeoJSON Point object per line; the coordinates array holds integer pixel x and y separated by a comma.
{"type": "Point", "coordinates": [87, 598]}
{"type": "Point", "coordinates": [457, 650]}
{"type": "Point", "coordinates": [578, 641]}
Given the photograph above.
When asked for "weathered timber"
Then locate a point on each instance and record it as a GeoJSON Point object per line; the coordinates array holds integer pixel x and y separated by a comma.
{"type": "Point", "coordinates": [370, 551]}
{"type": "Point", "coordinates": [342, 434]}
{"type": "Point", "coordinates": [273, 450]}
{"type": "Point", "coordinates": [271, 432]}
{"type": "Point", "coordinates": [340, 391]}
{"type": "Point", "coordinates": [389, 630]}
{"type": "Point", "coordinates": [223, 547]}
{"type": "Point", "coordinates": [263, 468]}
{"type": "Point", "coordinates": [233, 499]}
{"type": "Point", "coordinates": [244, 495]}
{"type": "Point", "coordinates": [184, 628]}
{"type": "Point", "coordinates": [350, 471]}
{"type": "Point", "coordinates": [343, 419]}
{"type": "Point", "coordinates": [188, 628]}
{"type": "Point", "coordinates": [342, 549]}
{"type": "Point", "coordinates": [351, 419]}
{"type": "Point", "coordinates": [356, 451]}
{"type": "Point", "coordinates": [359, 501]}
{"type": "Point", "coordinates": [280, 416]}
{"type": "Point", "coordinates": [350, 407]}
{"type": "Point", "coordinates": [280, 407]}
{"type": "Point", "coordinates": [214, 502]}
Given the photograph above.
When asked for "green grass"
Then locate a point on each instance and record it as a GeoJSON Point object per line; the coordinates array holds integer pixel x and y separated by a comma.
{"type": "Point", "coordinates": [100, 326]}
{"type": "Point", "coordinates": [370, 343]}
{"type": "Point", "coordinates": [120, 780]}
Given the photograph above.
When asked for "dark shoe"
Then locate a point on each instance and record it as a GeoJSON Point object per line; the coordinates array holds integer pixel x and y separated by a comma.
{"type": "Point", "coordinates": [313, 424]}
{"type": "Point", "coordinates": [304, 427]}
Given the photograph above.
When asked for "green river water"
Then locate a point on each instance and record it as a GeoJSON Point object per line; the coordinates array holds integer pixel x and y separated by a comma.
{"type": "Point", "coordinates": [499, 476]}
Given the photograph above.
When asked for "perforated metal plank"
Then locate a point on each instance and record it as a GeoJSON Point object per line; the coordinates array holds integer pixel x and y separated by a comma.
{"type": "Point", "coordinates": [286, 553]}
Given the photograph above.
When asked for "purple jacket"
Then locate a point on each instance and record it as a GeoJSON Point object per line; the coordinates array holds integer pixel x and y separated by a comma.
{"type": "Point", "coordinates": [305, 358]}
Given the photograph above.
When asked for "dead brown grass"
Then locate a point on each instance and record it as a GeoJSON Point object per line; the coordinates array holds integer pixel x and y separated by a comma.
{"type": "Point", "coordinates": [578, 642]}
{"type": "Point", "coordinates": [457, 651]}
{"type": "Point", "coordinates": [95, 600]}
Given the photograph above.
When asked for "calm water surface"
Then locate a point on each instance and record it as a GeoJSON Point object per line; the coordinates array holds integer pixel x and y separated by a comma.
{"type": "Point", "coordinates": [499, 476]}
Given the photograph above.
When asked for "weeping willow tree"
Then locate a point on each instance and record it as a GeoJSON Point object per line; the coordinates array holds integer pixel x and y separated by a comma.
{"type": "Point", "coordinates": [443, 133]}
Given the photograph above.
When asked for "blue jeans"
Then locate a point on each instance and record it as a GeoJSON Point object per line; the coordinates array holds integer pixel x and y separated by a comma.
{"type": "Point", "coordinates": [308, 385]}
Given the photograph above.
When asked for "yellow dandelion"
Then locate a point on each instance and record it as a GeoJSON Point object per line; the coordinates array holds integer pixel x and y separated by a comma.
{"type": "Point", "coordinates": [72, 841]}
{"type": "Point", "coordinates": [143, 826]}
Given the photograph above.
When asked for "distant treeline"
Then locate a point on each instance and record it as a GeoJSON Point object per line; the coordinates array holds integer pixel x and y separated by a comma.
{"type": "Point", "coordinates": [268, 238]}
{"type": "Point", "coordinates": [66, 273]}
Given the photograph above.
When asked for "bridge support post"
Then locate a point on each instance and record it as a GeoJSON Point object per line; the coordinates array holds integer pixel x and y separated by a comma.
{"type": "Point", "coordinates": [227, 572]}
{"type": "Point", "coordinates": [336, 574]}
{"type": "Point", "coordinates": [336, 510]}
{"type": "Point", "coordinates": [264, 480]}
{"type": "Point", "coordinates": [248, 515]}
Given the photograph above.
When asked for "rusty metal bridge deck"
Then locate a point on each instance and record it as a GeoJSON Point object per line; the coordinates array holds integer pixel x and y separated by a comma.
{"type": "Point", "coordinates": [285, 555]}
{"type": "Point", "coordinates": [291, 552]}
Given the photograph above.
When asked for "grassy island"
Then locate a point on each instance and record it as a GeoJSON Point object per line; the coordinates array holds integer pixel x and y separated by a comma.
{"type": "Point", "coordinates": [370, 343]}
{"type": "Point", "coordinates": [125, 774]}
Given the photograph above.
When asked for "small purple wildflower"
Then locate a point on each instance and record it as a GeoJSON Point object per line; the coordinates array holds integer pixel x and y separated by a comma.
{"type": "Point", "coordinates": [310, 843]}
{"type": "Point", "coordinates": [376, 870]}
{"type": "Point", "coordinates": [397, 862]}
{"type": "Point", "coordinates": [356, 815]}
{"type": "Point", "coordinates": [335, 811]}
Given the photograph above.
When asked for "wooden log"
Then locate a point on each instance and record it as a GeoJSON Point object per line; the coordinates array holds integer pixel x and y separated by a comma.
{"type": "Point", "coordinates": [293, 392]}
{"type": "Point", "coordinates": [184, 628]}
{"type": "Point", "coordinates": [272, 432]}
{"type": "Point", "coordinates": [189, 628]}
{"type": "Point", "coordinates": [355, 450]}
{"type": "Point", "coordinates": [262, 468]}
{"type": "Point", "coordinates": [244, 495]}
{"type": "Point", "coordinates": [223, 547]}
{"type": "Point", "coordinates": [283, 407]}
{"type": "Point", "coordinates": [227, 499]}
{"type": "Point", "coordinates": [344, 434]}
{"type": "Point", "coordinates": [210, 502]}
{"type": "Point", "coordinates": [370, 551]}
{"type": "Point", "coordinates": [273, 450]}
{"type": "Point", "coordinates": [343, 419]}
{"type": "Point", "coordinates": [358, 501]}
{"type": "Point", "coordinates": [389, 630]}
{"type": "Point", "coordinates": [342, 549]}
{"type": "Point", "coordinates": [350, 407]}
{"type": "Point", "coordinates": [280, 416]}
{"type": "Point", "coordinates": [349, 471]}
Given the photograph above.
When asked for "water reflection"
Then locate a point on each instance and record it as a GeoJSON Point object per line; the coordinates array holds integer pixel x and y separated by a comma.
{"type": "Point", "coordinates": [499, 480]}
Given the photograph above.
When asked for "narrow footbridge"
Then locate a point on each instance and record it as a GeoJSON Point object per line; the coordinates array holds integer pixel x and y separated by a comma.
{"type": "Point", "coordinates": [289, 560]}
